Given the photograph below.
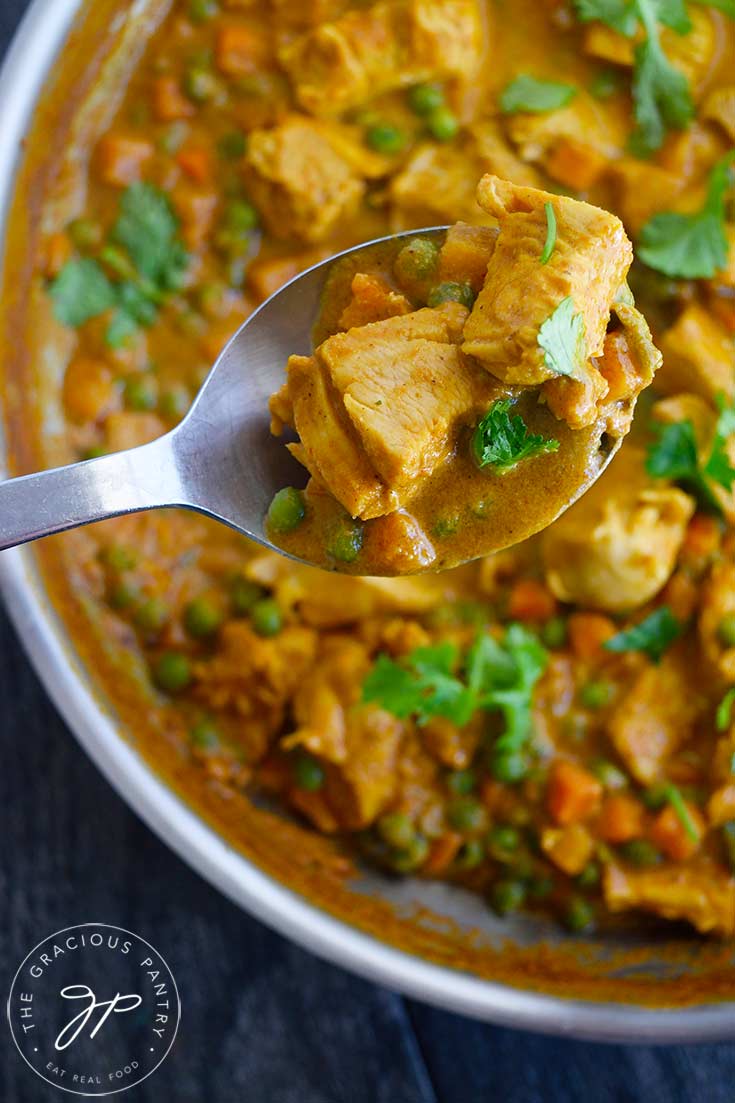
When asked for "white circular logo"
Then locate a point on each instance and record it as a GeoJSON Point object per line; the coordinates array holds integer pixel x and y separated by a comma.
{"type": "Point", "coordinates": [94, 1009]}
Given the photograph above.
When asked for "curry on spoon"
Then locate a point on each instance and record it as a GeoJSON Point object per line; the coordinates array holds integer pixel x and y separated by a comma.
{"type": "Point", "coordinates": [433, 434]}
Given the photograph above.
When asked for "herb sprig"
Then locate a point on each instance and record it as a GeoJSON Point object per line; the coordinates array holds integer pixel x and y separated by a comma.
{"type": "Point", "coordinates": [562, 338]}
{"type": "Point", "coordinates": [502, 439]}
{"type": "Point", "coordinates": [674, 455]}
{"type": "Point", "coordinates": [550, 243]}
{"type": "Point", "coordinates": [527, 93]}
{"type": "Point", "coordinates": [147, 261]}
{"type": "Point", "coordinates": [653, 636]}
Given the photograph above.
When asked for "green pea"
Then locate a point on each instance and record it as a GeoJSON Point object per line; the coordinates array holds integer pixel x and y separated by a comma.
{"type": "Point", "coordinates": [345, 542]}
{"type": "Point", "coordinates": [151, 615]}
{"type": "Point", "coordinates": [204, 736]}
{"type": "Point", "coordinates": [308, 773]}
{"type": "Point", "coordinates": [200, 11]}
{"type": "Point", "coordinates": [286, 511]}
{"type": "Point", "coordinates": [609, 775]}
{"type": "Point", "coordinates": [175, 402]}
{"type": "Point", "coordinates": [728, 838]}
{"type": "Point", "coordinates": [579, 914]}
{"type": "Point", "coordinates": [140, 393]}
{"type": "Point", "coordinates": [200, 84]}
{"type": "Point", "coordinates": [540, 887]}
{"type": "Point", "coordinates": [396, 829]}
{"type": "Point", "coordinates": [589, 876]}
{"type": "Point", "coordinates": [467, 815]}
{"type": "Point", "coordinates": [423, 99]}
{"type": "Point", "coordinates": [385, 138]}
{"type": "Point", "coordinates": [596, 695]}
{"type": "Point", "coordinates": [554, 632]}
{"type": "Point", "coordinates": [85, 233]}
{"type": "Point", "coordinates": [172, 672]}
{"type": "Point", "coordinates": [123, 595]}
{"type": "Point", "coordinates": [173, 137]}
{"type": "Point", "coordinates": [656, 796]}
{"type": "Point", "coordinates": [726, 630]}
{"type": "Point", "coordinates": [503, 839]}
{"type": "Point", "coordinates": [404, 861]}
{"type": "Point", "coordinates": [94, 452]}
{"type": "Point", "coordinates": [244, 594]}
{"type": "Point", "coordinates": [240, 216]}
{"type": "Point", "coordinates": [509, 767]}
{"type": "Point", "coordinates": [639, 852]}
{"type": "Point", "coordinates": [445, 526]}
{"type": "Point", "coordinates": [266, 617]}
{"type": "Point", "coordinates": [470, 855]}
{"type": "Point", "coordinates": [451, 293]}
{"type": "Point", "coordinates": [119, 558]}
{"type": "Point", "coordinates": [605, 84]}
{"type": "Point", "coordinates": [461, 782]}
{"type": "Point", "coordinates": [232, 146]}
{"type": "Point", "coordinates": [416, 261]}
{"type": "Point", "coordinates": [201, 618]}
{"type": "Point", "coordinates": [482, 508]}
{"type": "Point", "coordinates": [507, 896]}
{"type": "Point", "coordinates": [443, 124]}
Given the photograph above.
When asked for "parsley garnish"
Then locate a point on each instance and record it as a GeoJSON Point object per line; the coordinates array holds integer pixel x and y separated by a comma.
{"type": "Point", "coordinates": [144, 251]}
{"type": "Point", "coordinates": [724, 710]}
{"type": "Point", "coordinates": [661, 95]}
{"type": "Point", "coordinates": [691, 246]}
{"type": "Point", "coordinates": [652, 636]}
{"type": "Point", "coordinates": [550, 233]}
{"type": "Point", "coordinates": [674, 455]}
{"type": "Point", "coordinates": [677, 802]}
{"type": "Point", "coordinates": [562, 338]}
{"type": "Point", "coordinates": [496, 676]}
{"type": "Point", "coordinates": [527, 93]}
{"type": "Point", "coordinates": [503, 440]}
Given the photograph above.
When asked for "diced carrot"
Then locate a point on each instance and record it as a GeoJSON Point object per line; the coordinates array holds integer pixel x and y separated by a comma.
{"type": "Point", "coordinates": [89, 390]}
{"type": "Point", "coordinates": [196, 162]}
{"type": "Point", "coordinates": [58, 251]}
{"type": "Point", "coordinates": [569, 848]}
{"type": "Point", "coordinates": [443, 852]}
{"type": "Point", "coordinates": [680, 594]}
{"type": "Point", "coordinates": [531, 601]}
{"type": "Point", "coordinates": [240, 50]}
{"type": "Point", "coordinates": [575, 164]}
{"type": "Point", "coordinates": [617, 366]}
{"type": "Point", "coordinates": [724, 308]}
{"type": "Point", "coordinates": [120, 160]}
{"type": "Point", "coordinates": [670, 835]}
{"type": "Point", "coordinates": [621, 818]}
{"type": "Point", "coordinates": [372, 301]}
{"type": "Point", "coordinates": [197, 210]}
{"type": "Point", "coordinates": [267, 275]}
{"type": "Point", "coordinates": [702, 538]}
{"type": "Point", "coordinates": [588, 632]}
{"type": "Point", "coordinates": [169, 102]}
{"type": "Point", "coordinates": [572, 793]}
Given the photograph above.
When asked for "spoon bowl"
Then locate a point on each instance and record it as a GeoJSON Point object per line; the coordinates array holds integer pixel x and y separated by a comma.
{"type": "Point", "coordinates": [221, 460]}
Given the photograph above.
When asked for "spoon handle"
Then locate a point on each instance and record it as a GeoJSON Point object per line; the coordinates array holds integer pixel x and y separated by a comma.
{"type": "Point", "coordinates": [65, 497]}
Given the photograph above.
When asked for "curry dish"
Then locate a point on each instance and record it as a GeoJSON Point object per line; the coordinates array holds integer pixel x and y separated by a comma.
{"type": "Point", "coordinates": [552, 726]}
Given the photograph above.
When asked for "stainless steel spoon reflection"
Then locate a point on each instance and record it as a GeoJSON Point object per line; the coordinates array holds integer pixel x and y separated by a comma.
{"type": "Point", "coordinates": [221, 460]}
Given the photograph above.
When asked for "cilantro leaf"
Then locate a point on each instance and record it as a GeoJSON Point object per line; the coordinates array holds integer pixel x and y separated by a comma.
{"type": "Point", "coordinates": [724, 710]}
{"type": "Point", "coordinates": [621, 15]}
{"type": "Point", "coordinates": [562, 338]}
{"type": "Point", "coordinates": [422, 685]}
{"type": "Point", "coordinates": [674, 14]}
{"type": "Point", "coordinates": [81, 291]}
{"type": "Point", "coordinates": [691, 246]}
{"type": "Point", "coordinates": [147, 227]}
{"type": "Point", "coordinates": [674, 455]}
{"type": "Point", "coordinates": [527, 93]}
{"type": "Point", "coordinates": [661, 96]}
{"type": "Point", "coordinates": [652, 636]}
{"type": "Point", "coordinates": [502, 440]}
{"type": "Point", "coordinates": [550, 242]}
{"type": "Point", "coordinates": [508, 684]}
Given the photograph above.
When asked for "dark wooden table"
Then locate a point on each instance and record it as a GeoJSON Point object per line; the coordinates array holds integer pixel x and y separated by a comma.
{"type": "Point", "coordinates": [262, 1021]}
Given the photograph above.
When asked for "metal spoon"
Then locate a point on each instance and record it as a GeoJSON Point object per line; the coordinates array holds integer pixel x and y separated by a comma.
{"type": "Point", "coordinates": [221, 460]}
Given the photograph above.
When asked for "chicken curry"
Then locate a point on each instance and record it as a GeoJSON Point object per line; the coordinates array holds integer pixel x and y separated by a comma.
{"type": "Point", "coordinates": [552, 726]}
{"type": "Point", "coordinates": [458, 400]}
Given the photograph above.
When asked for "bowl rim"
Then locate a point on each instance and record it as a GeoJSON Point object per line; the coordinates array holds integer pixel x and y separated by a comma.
{"type": "Point", "coordinates": [37, 42]}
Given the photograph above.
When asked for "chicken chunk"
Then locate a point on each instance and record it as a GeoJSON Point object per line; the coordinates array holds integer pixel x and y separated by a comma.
{"type": "Point", "coordinates": [698, 356]}
{"type": "Point", "coordinates": [589, 264]}
{"type": "Point", "coordinates": [376, 408]}
{"type": "Point", "coordinates": [393, 44]}
{"type": "Point", "coordinates": [655, 717]}
{"type": "Point", "coordinates": [300, 185]}
{"type": "Point", "coordinates": [717, 602]}
{"type": "Point", "coordinates": [617, 547]}
{"type": "Point", "coordinates": [704, 895]}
